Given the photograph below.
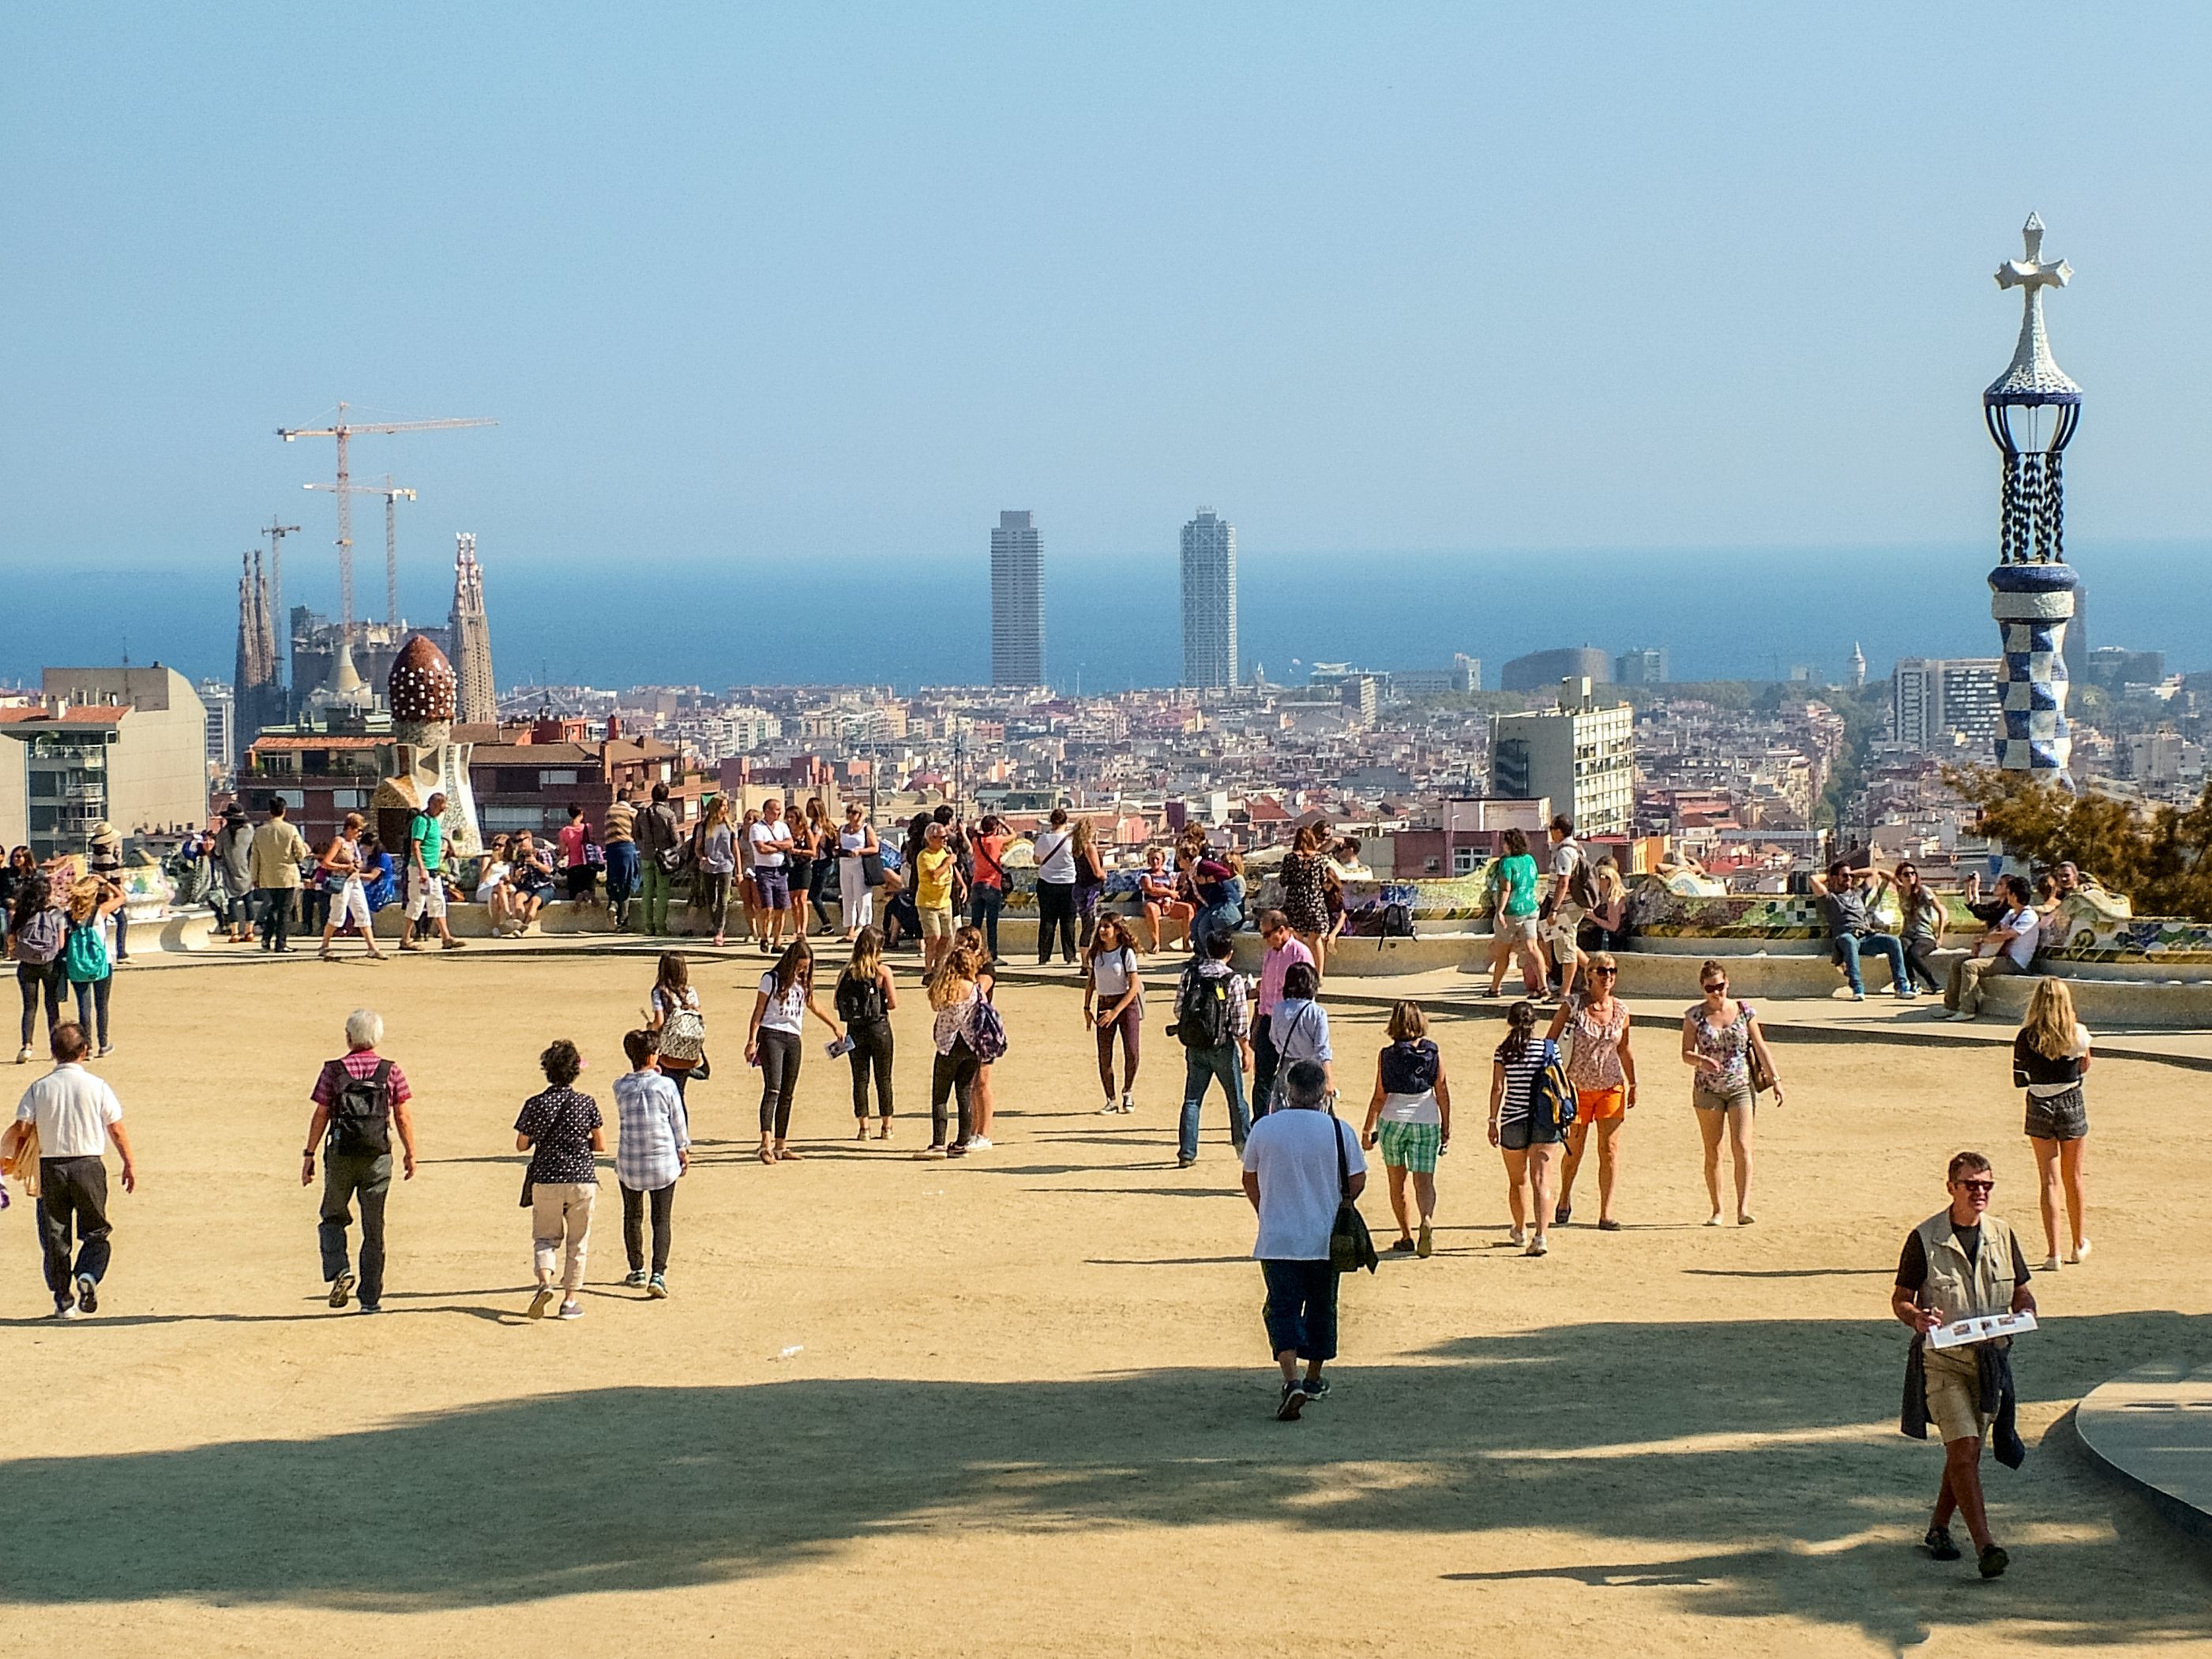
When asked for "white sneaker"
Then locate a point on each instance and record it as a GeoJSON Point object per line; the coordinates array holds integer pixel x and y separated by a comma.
{"type": "Point", "coordinates": [1517, 1237]}
{"type": "Point", "coordinates": [1127, 1104]}
{"type": "Point", "coordinates": [1538, 1247]}
{"type": "Point", "coordinates": [2050, 1264]}
{"type": "Point", "coordinates": [1110, 1107]}
{"type": "Point", "coordinates": [23, 1055]}
{"type": "Point", "coordinates": [2080, 1252]}
{"type": "Point", "coordinates": [979, 1143]}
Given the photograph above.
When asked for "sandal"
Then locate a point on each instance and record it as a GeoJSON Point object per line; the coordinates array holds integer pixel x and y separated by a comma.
{"type": "Point", "coordinates": [767, 1155]}
{"type": "Point", "coordinates": [785, 1155]}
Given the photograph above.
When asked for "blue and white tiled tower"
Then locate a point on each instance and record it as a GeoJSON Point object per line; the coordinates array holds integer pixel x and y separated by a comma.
{"type": "Point", "coordinates": [2032, 411]}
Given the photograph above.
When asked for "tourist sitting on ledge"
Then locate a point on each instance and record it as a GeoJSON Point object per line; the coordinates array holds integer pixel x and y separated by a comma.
{"type": "Point", "coordinates": [1843, 900]}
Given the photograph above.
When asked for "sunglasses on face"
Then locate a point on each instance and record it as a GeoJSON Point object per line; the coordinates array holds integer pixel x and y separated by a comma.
{"type": "Point", "coordinates": [1608, 972]}
{"type": "Point", "coordinates": [1978, 1186]}
{"type": "Point", "coordinates": [1716, 985]}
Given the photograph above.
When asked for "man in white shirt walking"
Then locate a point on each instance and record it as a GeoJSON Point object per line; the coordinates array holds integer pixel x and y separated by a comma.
{"type": "Point", "coordinates": [1300, 1163]}
{"type": "Point", "coordinates": [76, 1114]}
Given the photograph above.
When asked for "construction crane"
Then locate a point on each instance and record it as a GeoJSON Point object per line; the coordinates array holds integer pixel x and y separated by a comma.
{"type": "Point", "coordinates": [391, 493]}
{"type": "Point", "coordinates": [277, 532]}
{"type": "Point", "coordinates": [344, 430]}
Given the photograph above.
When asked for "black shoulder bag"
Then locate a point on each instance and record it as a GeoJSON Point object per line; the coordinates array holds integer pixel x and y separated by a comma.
{"type": "Point", "coordinates": [1350, 1245]}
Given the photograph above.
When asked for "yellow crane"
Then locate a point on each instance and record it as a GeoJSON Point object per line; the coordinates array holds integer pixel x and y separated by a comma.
{"type": "Point", "coordinates": [344, 431]}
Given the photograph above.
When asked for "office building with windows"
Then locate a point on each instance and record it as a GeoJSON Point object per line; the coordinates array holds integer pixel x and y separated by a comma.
{"type": "Point", "coordinates": [1017, 601]}
{"type": "Point", "coordinates": [1940, 703]}
{"type": "Point", "coordinates": [1580, 755]}
{"type": "Point", "coordinates": [1209, 601]}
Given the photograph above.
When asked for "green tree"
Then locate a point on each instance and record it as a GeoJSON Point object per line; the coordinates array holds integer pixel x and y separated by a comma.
{"type": "Point", "coordinates": [2160, 857]}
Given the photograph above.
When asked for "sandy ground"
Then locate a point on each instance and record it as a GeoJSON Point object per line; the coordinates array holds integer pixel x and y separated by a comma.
{"type": "Point", "coordinates": [1022, 1404]}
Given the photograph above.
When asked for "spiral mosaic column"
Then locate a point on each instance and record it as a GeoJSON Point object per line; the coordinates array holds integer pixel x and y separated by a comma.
{"type": "Point", "coordinates": [2032, 411]}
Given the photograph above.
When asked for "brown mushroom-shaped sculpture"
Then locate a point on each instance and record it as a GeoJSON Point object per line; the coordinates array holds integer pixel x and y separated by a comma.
{"type": "Point", "coordinates": [423, 686]}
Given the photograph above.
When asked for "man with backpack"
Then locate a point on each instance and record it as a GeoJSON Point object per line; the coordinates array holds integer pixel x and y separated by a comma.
{"type": "Point", "coordinates": [1214, 1026]}
{"type": "Point", "coordinates": [1572, 898]}
{"type": "Point", "coordinates": [660, 855]}
{"type": "Point", "coordinates": [359, 1101]}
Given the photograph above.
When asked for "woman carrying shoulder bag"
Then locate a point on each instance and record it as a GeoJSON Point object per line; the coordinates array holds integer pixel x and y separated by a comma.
{"type": "Point", "coordinates": [674, 1016]}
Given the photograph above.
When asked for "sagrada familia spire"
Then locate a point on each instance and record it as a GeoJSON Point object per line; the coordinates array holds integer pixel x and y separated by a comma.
{"type": "Point", "coordinates": [257, 693]}
{"type": "Point", "coordinates": [471, 634]}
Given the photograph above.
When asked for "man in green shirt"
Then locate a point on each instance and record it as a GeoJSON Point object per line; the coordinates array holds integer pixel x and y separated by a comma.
{"type": "Point", "coordinates": [426, 880]}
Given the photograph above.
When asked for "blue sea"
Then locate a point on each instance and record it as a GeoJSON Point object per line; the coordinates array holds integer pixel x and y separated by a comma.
{"type": "Point", "coordinates": [1112, 623]}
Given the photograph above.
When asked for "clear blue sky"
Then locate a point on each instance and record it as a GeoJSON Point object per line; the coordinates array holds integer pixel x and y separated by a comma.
{"type": "Point", "coordinates": [751, 281]}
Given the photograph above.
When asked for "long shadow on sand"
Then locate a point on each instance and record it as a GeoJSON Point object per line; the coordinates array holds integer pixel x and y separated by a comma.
{"type": "Point", "coordinates": [1733, 1461]}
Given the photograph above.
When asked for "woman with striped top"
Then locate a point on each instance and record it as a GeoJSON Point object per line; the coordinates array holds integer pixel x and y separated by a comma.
{"type": "Point", "coordinates": [1529, 1146]}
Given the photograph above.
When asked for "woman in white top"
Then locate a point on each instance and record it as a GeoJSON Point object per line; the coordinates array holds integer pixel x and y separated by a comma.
{"type": "Point", "coordinates": [1114, 1001]}
{"type": "Point", "coordinates": [1299, 1025]}
{"type": "Point", "coordinates": [855, 842]}
{"type": "Point", "coordinates": [786, 996]}
{"type": "Point", "coordinates": [2049, 1057]}
{"type": "Point", "coordinates": [341, 863]}
{"type": "Point", "coordinates": [1409, 1116]}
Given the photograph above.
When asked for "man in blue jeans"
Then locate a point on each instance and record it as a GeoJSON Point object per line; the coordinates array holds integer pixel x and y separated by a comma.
{"type": "Point", "coordinates": [1844, 898]}
{"type": "Point", "coordinates": [1213, 1021]}
{"type": "Point", "coordinates": [1300, 1163]}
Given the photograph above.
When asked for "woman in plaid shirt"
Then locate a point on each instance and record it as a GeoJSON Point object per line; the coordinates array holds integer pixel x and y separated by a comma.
{"type": "Point", "coordinates": [655, 1148]}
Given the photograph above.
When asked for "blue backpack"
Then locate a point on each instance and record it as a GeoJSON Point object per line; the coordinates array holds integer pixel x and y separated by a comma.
{"type": "Point", "coordinates": [1551, 1096]}
{"type": "Point", "coordinates": [84, 958]}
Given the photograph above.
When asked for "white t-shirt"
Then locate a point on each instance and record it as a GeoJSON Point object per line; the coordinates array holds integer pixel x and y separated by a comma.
{"type": "Point", "coordinates": [785, 1012]}
{"type": "Point", "coordinates": [1056, 855]}
{"type": "Point", "coordinates": [769, 842]}
{"type": "Point", "coordinates": [1564, 859]}
{"type": "Point", "coordinates": [2025, 922]}
{"type": "Point", "coordinates": [1111, 974]}
{"type": "Point", "coordinates": [72, 1109]}
{"type": "Point", "coordinates": [1291, 1152]}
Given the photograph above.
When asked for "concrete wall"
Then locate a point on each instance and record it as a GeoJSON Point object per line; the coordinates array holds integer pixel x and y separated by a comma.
{"type": "Point", "coordinates": [14, 791]}
{"type": "Point", "coordinates": [157, 768]}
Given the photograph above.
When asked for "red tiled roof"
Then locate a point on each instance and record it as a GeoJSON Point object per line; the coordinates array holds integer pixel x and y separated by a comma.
{"type": "Point", "coordinates": [88, 714]}
{"type": "Point", "coordinates": [288, 741]}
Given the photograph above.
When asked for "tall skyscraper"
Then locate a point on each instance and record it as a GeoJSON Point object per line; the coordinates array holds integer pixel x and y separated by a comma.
{"type": "Point", "coordinates": [1646, 665]}
{"type": "Point", "coordinates": [1017, 601]}
{"type": "Point", "coordinates": [257, 693]}
{"type": "Point", "coordinates": [475, 701]}
{"type": "Point", "coordinates": [1209, 601]}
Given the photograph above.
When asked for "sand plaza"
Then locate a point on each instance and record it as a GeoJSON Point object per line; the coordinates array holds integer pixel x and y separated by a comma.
{"type": "Point", "coordinates": [1020, 1403]}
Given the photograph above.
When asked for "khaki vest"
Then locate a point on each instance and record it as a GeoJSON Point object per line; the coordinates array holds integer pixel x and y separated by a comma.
{"type": "Point", "coordinates": [1957, 1288]}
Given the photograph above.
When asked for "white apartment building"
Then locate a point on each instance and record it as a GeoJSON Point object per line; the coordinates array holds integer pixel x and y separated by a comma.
{"type": "Point", "coordinates": [1581, 755]}
{"type": "Point", "coordinates": [1938, 703]}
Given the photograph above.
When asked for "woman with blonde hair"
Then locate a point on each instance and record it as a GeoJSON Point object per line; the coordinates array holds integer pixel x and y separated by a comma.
{"type": "Point", "coordinates": [970, 937]}
{"type": "Point", "coordinates": [1089, 881]}
{"type": "Point", "coordinates": [2049, 1056]}
{"type": "Point", "coordinates": [955, 1001]}
{"type": "Point", "coordinates": [84, 957]}
{"type": "Point", "coordinates": [718, 864]}
{"type": "Point", "coordinates": [1410, 1117]}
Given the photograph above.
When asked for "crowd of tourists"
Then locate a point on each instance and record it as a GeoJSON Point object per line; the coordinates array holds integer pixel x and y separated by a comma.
{"type": "Point", "coordinates": [1565, 1072]}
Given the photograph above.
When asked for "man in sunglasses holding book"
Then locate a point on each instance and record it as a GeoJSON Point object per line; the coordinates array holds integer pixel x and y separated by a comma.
{"type": "Point", "coordinates": [1962, 1263]}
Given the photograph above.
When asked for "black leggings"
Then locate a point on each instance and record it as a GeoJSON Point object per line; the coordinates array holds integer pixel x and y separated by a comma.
{"type": "Point", "coordinates": [1919, 964]}
{"type": "Point", "coordinates": [778, 1064]}
{"type": "Point", "coordinates": [664, 1226]}
{"type": "Point", "coordinates": [1056, 909]}
{"type": "Point", "coordinates": [714, 897]}
{"type": "Point", "coordinates": [955, 1074]}
{"type": "Point", "coordinates": [29, 976]}
{"type": "Point", "coordinates": [817, 884]}
{"type": "Point", "coordinates": [872, 1048]}
{"type": "Point", "coordinates": [92, 1005]}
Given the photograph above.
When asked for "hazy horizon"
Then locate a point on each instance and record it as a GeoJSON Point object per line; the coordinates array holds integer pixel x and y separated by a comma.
{"type": "Point", "coordinates": [1721, 613]}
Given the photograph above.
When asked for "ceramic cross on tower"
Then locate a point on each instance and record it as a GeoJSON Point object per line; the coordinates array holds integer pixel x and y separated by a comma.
{"type": "Point", "coordinates": [2032, 273]}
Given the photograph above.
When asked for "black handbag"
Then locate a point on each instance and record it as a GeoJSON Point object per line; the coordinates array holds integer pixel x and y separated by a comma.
{"type": "Point", "coordinates": [871, 869]}
{"type": "Point", "coordinates": [1350, 1244]}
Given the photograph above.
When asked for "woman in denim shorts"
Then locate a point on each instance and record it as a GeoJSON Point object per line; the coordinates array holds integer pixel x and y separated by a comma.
{"type": "Point", "coordinates": [2049, 1058]}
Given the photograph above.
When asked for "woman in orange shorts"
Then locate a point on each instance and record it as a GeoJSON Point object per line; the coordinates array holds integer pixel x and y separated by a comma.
{"type": "Point", "coordinates": [1603, 1071]}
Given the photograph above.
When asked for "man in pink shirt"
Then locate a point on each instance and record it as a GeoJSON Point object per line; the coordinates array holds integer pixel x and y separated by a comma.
{"type": "Point", "coordinates": [1283, 950]}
